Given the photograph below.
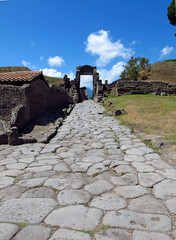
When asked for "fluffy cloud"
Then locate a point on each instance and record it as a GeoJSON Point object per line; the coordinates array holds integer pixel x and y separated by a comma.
{"type": "Point", "coordinates": [26, 64]}
{"type": "Point", "coordinates": [100, 44]}
{"type": "Point", "coordinates": [112, 74]}
{"type": "Point", "coordinates": [86, 80]}
{"type": "Point", "coordinates": [51, 72]}
{"type": "Point", "coordinates": [55, 61]}
{"type": "Point", "coordinates": [166, 51]}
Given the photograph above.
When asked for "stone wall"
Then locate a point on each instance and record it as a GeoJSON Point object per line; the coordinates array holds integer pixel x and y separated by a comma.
{"type": "Point", "coordinates": [20, 104]}
{"type": "Point", "coordinates": [141, 87]}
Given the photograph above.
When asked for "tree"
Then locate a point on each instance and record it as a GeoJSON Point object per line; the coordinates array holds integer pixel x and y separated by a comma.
{"type": "Point", "coordinates": [134, 68]}
{"type": "Point", "coordinates": [171, 13]}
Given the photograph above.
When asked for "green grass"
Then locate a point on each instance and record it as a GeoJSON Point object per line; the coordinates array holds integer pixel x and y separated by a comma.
{"type": "Point", "coordinates": [101, 227]}
{"type": "Point", "coordinates": [147, 113]}
{"type": "Point", "coordinates": [13, 69]}
{"type": "Point", "coordinates": [54, 80]}
{"type": "Point", "coordinates": [23, 224]}
{"type": "Point", "coordinates": [170, 60]}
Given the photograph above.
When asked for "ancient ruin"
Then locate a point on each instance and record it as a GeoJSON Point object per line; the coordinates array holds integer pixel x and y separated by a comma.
{"type": "Point", "coordinates": [23, 96]}
{"type": "Point", "coordinates": [73, 87]}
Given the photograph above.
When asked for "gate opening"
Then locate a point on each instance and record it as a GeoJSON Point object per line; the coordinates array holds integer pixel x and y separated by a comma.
{"type": "Point", "coordinates": [87, 81]}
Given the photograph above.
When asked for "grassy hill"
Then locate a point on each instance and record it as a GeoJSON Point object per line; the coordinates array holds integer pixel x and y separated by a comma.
{"type": "Point", "coordinates": [50, 80]}
{"type": "Point", "coordinates": [163, 71]}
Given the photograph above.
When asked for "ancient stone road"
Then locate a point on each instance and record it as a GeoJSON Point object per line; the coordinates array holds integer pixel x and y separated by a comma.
{"type": "Point", "coordinates": [94, 180]}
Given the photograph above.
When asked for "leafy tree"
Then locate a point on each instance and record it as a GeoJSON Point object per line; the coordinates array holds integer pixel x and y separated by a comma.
{"type": "Point", "coordinates": [134, 67]}
{"type": "Point", "coordinates": [171, 13]}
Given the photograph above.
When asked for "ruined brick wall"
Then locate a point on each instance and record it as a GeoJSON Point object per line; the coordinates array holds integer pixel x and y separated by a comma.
{"type": "Point", "coordinates": [140, 87]}
{"type": "Point", "coordinates": [10, 97]}
{"type": "Point", "coordinates": [19, 105]}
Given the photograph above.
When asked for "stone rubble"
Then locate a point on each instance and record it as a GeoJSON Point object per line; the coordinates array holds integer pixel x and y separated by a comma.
{"type": "Point", "coordinates": [94, 180]}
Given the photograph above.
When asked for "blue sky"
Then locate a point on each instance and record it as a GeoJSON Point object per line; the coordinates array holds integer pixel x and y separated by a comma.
{"type": "Point", "coordinates": [57, 35]}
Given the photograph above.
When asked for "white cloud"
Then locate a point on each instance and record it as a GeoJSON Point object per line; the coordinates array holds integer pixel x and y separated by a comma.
{"type": "Point", "coordinates": [86, 80]}
{"type": "Point", "coordinates": [41, 58]}
{"type": "Point", "coordinates": [26, 64]}
{"type": "Point", "coordinates": [166, 51]}
{"type": "Point", "coordinates": [51, 72]}
{"type": "Point", "coordinates": [100, 44]}
{"type": "Point", "coordinates": [55, 61]}
{"type": "Point", "coordinates": [112, 74]}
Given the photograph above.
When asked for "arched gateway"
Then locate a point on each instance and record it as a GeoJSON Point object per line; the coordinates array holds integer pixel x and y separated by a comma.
{"type": "Point", "coordinates": [89, 70]}
{"type": "Point", "coordinates": [73, 87]}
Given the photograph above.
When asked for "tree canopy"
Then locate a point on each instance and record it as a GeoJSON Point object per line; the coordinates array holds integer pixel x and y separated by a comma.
{"type": "Point", "coordinates": [136, 68]}
{"type": "Point", "coordinates": [171, 13]}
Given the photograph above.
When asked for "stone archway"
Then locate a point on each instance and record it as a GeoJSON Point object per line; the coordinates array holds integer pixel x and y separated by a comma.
{"type": "Point", "coordinates": [88, 70]}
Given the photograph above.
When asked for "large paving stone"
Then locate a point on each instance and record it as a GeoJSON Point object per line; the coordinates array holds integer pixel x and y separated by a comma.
{"type": "Point", "coordinates": [11, 192]}
{"type": "Point", "coordinates": [65, 234]}
{"type": "Point", "coordinates": [99, 187]}
{"type": "Point", "coordinates": [134, 158]}
{"type": "Point", "coordinates": [33, 232]}
{"type": "Point", "coordinates": [6, 182]}
{"type": "Point", "coordinates": [61, 184]}
{"type": "Point", "coordinates": [169, 173]}
{"type": "Point", "coordinates": [12, 173]}
{"type": "Point", "coordinates": [135, 151]}
{"type": "Point", "coordinates": [171, 205]}
{"type": "Point", "coordinates": [139, 235]}
{"type": "Point", "coordinates": [165, 189]}
{"type": "Point", "coordinates": [93, 159]}
{"type": "Point", "coordinates": [75, 217]}
{"type": "Point", "coordinates": [131, 191]}
{"type": "Point", "coordinates": [17, 166]}
{"type": "Point", "coordinates": [7, 231]}
{"type": "Point", "coordinates": [97, 168]}
{"type": "Point", "coordinates": [39, 169]}
{"type": "Point", "coordinates": [41, 192]}
{"type": "Point", "coordinates": [149, 179]}
{"type": "Point", "coordinates": [80, 166]}
{"type": "Point", "coordinates": [143, 167]}
{"type": "Point", "coordinates": [141, 221]}
{"type": "Point", "coordinates": [62, 167]}
{"type": "Point", "coordinates": [35, 182]}
{"type": "Point", "coordinates": [126, 179]}
{"type": "Point", "coordinates": [123, 169]}
{"type": "Point", "coordinates": [108, 201]}
{"type": "Point", "coordinates": [113, 234]}
{"type": "Point", "coordinates": [67, 197]}
{"type": "Point", "coordinates": [147, 204]}
{"type": "Point", "coordinates": [26, 210]}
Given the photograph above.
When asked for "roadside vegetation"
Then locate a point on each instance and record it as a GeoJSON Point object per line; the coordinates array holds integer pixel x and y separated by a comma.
{"type": "Point", "coordinates": [147, 113]}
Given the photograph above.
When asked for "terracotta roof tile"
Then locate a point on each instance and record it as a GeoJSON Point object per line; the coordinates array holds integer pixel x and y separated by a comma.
{"type": "Point", "coordinates": [22, 76]}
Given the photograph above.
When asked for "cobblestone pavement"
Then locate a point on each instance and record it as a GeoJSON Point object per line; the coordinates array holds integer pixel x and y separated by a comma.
{"type": "Point", "coordinates": [94, 180]}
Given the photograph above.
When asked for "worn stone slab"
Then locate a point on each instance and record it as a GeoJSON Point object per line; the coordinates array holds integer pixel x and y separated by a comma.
{"type": "Point", "coordinates": [26, 210]}
{"type": "Point", "coordinates": [61, 184]}
{"type": "Point", "coordinates": [141, 221]}
{"type": "Point", "coordinates": [131, 191]}
{"type": "Point", "coordinates": [33, 232]}
{"type": "Point", "coordinates": [97, 168]}
{"type": "Point", "coordinates": [17, 166]}
{"type": "Point", "coordinates": [126, 179]}
{"type": "Point", "coordinates": [171, 205]}
{"type": "Point", "coordinates": [11, 192]}
{"type": "Point", "coordinates": [113, 234]}
{"type": "Point", "coordinates": [135, 151]}
{"type": "Point", "coordinates": [93, 159]}
{"type": "Point", "coordinates": [150, 179]}
{"type": "Point", "coordinates": [152, 156]}
{"type": "Point", "coordinates": [8, 161]}
{"type": "Point", "coordinates": [99, 187]}
{"type": "Point", "coordinates": [62, 167]}
{"type": "Point", "coordinates": [80, 166]}
{"type": "Point", "coordinates": [75, 217]}
{"type": "Point", "coordinates": [143, 167]}
{"type": "Point", "coordinates": [169, 173]}
{"type": "Point", "coordinates": [123, 169]}
{"type": "Point", "coordinates": [134, 158]}
{"type": "Point", "coordinates": [44, 162]}
{"type": "Point", "coordinates": [41, 192]}
{"type": "Point", "coordinates": [67, 197]}
{"type": "Point", "coordinates": [13, 173]}
{"type": "Point", "coordinates": [35, 182]}
{"type": "Point", "coordinates": [7, 231]}
{"type": "Point", "coordinates": [140, 235]}
{"type": "Point", "coordinates": [108, 201]}
{"type": "Point", "coordinates": [6, 182]}
{"type": "Point", "coordinates": [39, 169]}
{"type": "Point", "coordinates": [65, 234]}
{"type": "Point", "coordinates": [165, 189]}
{"type": "Point", "coordinates": [147, 204]}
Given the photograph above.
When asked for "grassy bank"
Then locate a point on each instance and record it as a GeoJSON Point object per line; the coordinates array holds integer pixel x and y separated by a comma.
{"type": "Point", "coordinates": [147, 113]}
